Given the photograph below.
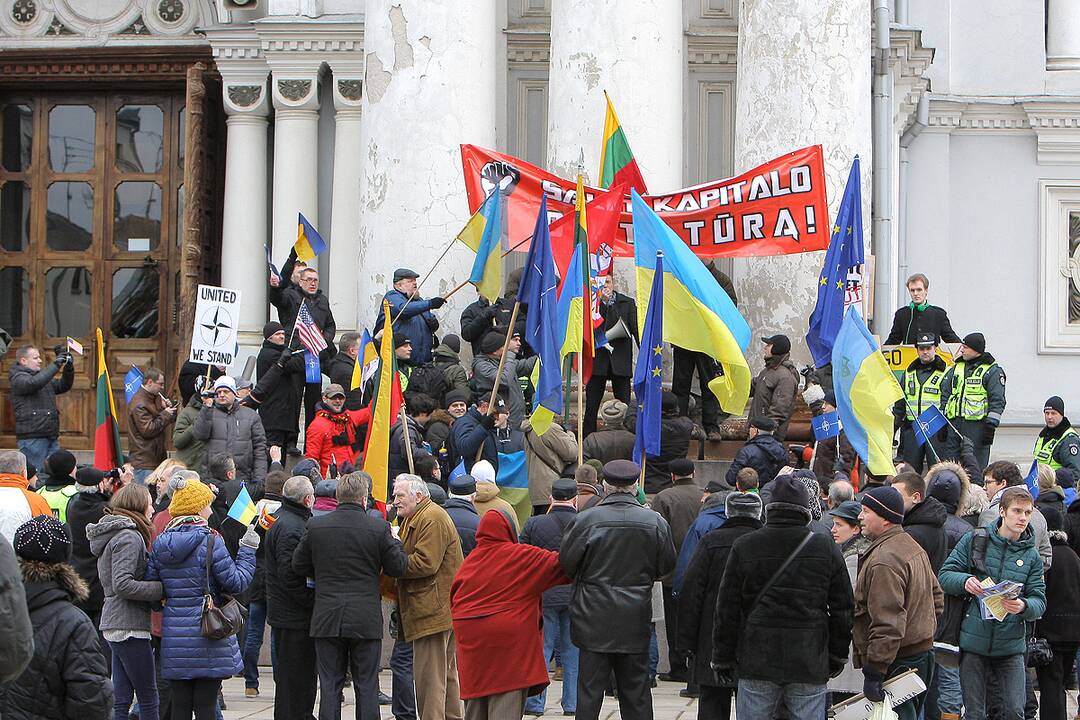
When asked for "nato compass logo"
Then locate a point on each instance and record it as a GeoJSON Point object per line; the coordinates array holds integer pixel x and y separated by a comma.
{"type": "Point", "coordinates": [215, 326]}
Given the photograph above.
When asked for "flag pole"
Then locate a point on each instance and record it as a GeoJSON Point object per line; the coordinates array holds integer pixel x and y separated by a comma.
{"type": "Point", "coordinates": [295, 320]}
{"type": "Point", "coordinates": [499, 371]}
{"type": "Point", "coordinates": [929, 444]}
{"type": "Point", "coordinates": [580, 411]}
{"type": "Point", "coordinates": [567, 370]}
{"type": "Point", "coordinates": [408, 440]}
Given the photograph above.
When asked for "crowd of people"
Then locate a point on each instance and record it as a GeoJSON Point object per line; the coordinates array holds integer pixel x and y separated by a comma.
{"type": "Point", "coordinates": [789, 583]}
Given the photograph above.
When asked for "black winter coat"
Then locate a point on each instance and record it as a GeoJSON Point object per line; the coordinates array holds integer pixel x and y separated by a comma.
{"type": "Point", "coordinates": [925, 523]}
{"type": "Point", "coordinates": [340, 370]}
{"type": "Point", "coordinates": [67, 678]}
{"type": "Point", "coordinates": [1060, 622]}
{"type": "Point", "coordinates": [764, 453]}
{"type": "Point", "coordinates": [288, 598]}
{"type": "Point", "coordinates": [617, 362]}
{"type": "Point", "coordinates": [466, 435]}
{"type": "Point", "coordinates": [700, 586]}
{"type": "Point", "coordinates": [345, 551]}
{"type": "Point", "coordinates": [83, 509]}
{"type": "Point", "coordinates": [615, 551]}
{"type": "Point", "coordinates": [801, 628]}
{"type": "Point", "coordinates": [481, 317]}
{"type": "Point", "coordinates": [280, 397]}
{"type": "Point", "coordinates": [675, 433]}
{"type": "Point", "coordinates": [466, 519]}
{"type": "Point", "coordinates": [33, 398]}
{"type": "Point", "coordinates": [288, 298]}
{"type": "Point", "coordinates": [931, 320]}
{"type": "Point", "coordinates": [1072, 526]}
{"type": "Point", "coordinates": [547, 531]}
{"type": "Point", "coordinates": [398, 461]}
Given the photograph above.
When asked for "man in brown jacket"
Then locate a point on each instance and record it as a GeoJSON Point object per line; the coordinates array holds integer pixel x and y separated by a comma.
{"type": "Point", "coordinates": [434, 555]}
{"type": "Point", "coordinates": [775, 386]}
{"type": "Point", "coordinates": [897, 601]}
{"type": "Point", "coordinates": [149, 413]}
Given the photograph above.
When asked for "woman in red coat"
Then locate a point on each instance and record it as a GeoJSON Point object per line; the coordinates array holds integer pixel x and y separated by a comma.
{"type": "Point", "coordinates": [495, 608]}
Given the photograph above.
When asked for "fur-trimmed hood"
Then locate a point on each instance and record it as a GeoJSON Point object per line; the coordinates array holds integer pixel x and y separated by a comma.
{"type": "Point", "coordinates": [949, 483]}
{"type": "Point", "coordinates": [442, 416]}
{"type": "Point", "coordinates": [44, 582]}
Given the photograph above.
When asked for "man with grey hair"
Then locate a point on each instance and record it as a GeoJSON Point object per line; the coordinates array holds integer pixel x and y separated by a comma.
{"type": "Point", "coordinates": [615, 552]}
{"type": "Point", "coordinates": [17, 503]}
{"type": "Point", "coordinates": [289, 602]}
{"type": "Point", "coordinates": [434, 555]}
{"type": "Point", "coordinates": [344, 552]}
{"type": "Point", "coordinates": [839, 491]}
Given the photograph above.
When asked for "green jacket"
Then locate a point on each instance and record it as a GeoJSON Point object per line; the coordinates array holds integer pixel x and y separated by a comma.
{"type": "Point", "coordinates": [189, 451]}
{"type": "Point", "coordinates": [1016, 560]}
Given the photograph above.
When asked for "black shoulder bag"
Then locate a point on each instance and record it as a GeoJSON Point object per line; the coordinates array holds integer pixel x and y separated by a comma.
{"type": "Point", "coordinates": [219, 623]}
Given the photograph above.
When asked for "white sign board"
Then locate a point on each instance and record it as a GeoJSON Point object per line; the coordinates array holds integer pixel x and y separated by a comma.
{"type": "Point", "coordinates": [217, 317]}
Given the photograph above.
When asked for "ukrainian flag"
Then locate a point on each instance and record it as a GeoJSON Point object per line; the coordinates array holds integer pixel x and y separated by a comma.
{"type": "Point", "coordinates": [571, 307]}
{"type": "Point", "coordinates": [243, 510]}
{"type": "Point", "coordinates": [308, 241]}
{"type": "Point", "coordinates": [865, 393]}
{"type": "Point", "coordinates": [483, 234]}
{"type": "Point", "coordinates": [367, 362]}
{"type": "Point", "coordinates": [698, 314]}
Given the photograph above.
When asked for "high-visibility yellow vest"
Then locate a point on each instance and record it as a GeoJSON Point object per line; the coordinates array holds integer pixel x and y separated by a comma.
{"type": "Point", "coordinates": [58, 500]}
{"type": "Point", "coordinates": [1045, 447]}
{"type": "Point", "coordinates": [968, 399]}
{"type": "Point", "coordinates": [920, 397]}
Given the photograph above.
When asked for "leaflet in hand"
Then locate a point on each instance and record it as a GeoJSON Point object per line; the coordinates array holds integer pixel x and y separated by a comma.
{"type": "Point", "coordinates": [992, 601]}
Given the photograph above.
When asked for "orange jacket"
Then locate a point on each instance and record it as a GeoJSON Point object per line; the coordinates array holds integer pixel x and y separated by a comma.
{"type": "Point", "coordinates": [18, 504]}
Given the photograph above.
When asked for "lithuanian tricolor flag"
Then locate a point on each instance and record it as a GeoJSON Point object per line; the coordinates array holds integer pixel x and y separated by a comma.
{"type": "Point", "coordinates": [617, 162]}
{"type": "Point", "coordinates": [107, 450]}
{"type": "Point", "coordinates": [384, 412]}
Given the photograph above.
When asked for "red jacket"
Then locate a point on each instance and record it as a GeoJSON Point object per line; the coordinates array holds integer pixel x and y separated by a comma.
{"type": "Point", "coordinates": [319, 440]}
{"type": "Point", "coordinates": [495, 608]}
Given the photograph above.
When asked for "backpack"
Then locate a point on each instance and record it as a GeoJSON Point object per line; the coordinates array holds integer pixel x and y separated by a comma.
{"type": "Point", "coordinates": [948, 630]}
{"type": "Point", "coordinates": [430, 380]}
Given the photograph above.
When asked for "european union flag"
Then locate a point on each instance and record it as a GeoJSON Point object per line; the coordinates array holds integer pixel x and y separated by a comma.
{"type": "Point", "coordinates": [840, 284]}
{"type": "Point", "coordinates": [312, 369]}
{"type": "Point", "coordinates": [132, 383]}
{"type": "Point", "coordinates": [648, 374]}
{"type": "Point", "coordinates": [826, 425]}
{"type": "Point", "coordinates": [1032, 479]}
{"type": "Point", "coordinates": [928, 423]}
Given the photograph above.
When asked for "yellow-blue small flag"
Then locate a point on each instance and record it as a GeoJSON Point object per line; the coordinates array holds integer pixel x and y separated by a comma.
{"type": "Point", "coordinates": [308, 241]}
{"type": "Point", "coordinates": [243, 510]}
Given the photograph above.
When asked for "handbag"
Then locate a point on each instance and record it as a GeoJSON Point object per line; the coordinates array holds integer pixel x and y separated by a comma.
{"type": "Point", "coordinates": [1038, 653]}
{"type": "Point", "coordinates": [219, 621]}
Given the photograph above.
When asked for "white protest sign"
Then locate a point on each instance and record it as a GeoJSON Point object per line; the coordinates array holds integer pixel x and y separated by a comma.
{"type": "Point", "coordinates": [217, 317]}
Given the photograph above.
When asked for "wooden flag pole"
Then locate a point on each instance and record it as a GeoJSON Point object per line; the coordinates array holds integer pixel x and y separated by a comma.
{"type": "Point", "coordinates": [580, 410]}
{"type": "Point", "coordinates": [408, 440]}
{"type": "Point", "coordinates": [499, 371]}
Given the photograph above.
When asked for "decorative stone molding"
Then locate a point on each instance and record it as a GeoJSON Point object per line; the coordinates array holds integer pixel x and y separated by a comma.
{"type": "Point", "coordinates": [712, 49]}
{"type": "Point", "coordinates": [908, 62]}
{"type": "Point", "coordinates": [1054, 120]}
{"type": "Point", "coordinates": [294, 90]}
{"type": "Point", "coordinates": [289, 92]}
{"type": "Point", "coordinates": [92, 23]}
{"type": "Point", "coordinates": [527, 49]}
{"type": "Point", "coordinates": [350, 89]}
{"type": "Point", "coordinates": [1057, 125]}
{"type": "Point", "coordinates": [244, 96]}
{"type": "Point", "coordinates": [108, 65]}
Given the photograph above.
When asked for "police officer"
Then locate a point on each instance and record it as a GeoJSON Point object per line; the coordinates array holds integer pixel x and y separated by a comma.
{"type": "Point", "coordinates": [1058, 444]}
{"type": "Point", "coordinates": [974, 395]}
{"type": "Point", "coordinates": [921, 384]}
{"type": "Point", "coordinates": [59, 488]}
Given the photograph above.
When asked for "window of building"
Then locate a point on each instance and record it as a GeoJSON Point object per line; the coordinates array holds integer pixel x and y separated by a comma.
{"type": "Point", "coordinates": [1059, 317]}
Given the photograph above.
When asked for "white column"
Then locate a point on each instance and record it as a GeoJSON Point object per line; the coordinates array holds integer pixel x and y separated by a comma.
{"type": "Point", "coordinates": [429, 86]}
{"type": "Point", "coordinates": [344, 240]}
{"type": "Point", "coordinates": [296, 150]}
{"type": "Point", "coordinates": [1063, 35]}
{"type": "Point", "coordinates": [634, 50]}
{"type": "Point", "coordinates": [244, 221]}
{"type": "Point", "coordinates": [804, 79]}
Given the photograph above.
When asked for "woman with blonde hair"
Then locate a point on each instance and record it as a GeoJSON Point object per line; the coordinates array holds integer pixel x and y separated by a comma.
{"type": "Point", "coordinates": [159, 478]}
{"type": "Point", "coordinates": [121, 541]}
{"type": "Point", "coordinates": [1051, 495]}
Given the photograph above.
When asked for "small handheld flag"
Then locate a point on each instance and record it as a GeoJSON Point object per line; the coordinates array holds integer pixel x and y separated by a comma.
{"type": "Point", "coordinates": [1032, 479]}
{"type": "Point", "coordinates": [312, 368]}
{"type": "Point", "coordinates": [928, 423]}
{"type": "Point", "coordinates": [648, 374]}
{"type": "Point", "coordinates": [242, 510]}
{"type": "Point", "coordinates": [310, 335]}
{"type": "Point", "coordinates": [826, 425]}
{"type": "Point", "coordinates": [75, 346]}
{"type": "Point", "coordinates": [308, 241]}
{"type": "Point", "coordinates": [132, 382]}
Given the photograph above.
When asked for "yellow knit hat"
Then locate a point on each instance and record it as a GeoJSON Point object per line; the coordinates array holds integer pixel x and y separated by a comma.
{"type": "Point", "coordinates": [191, 497]}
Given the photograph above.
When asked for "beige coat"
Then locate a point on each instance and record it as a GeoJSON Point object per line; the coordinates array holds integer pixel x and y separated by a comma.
{"type": "Point", "coordinates": [487, 498]}
{"type": "Point", "coordinates": [545, 457]}
{"type": "Point", "coordinates": [434, 555]}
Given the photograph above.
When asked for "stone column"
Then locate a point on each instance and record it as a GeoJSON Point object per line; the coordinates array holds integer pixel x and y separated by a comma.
{"type": "Point", "coordinates": [296, 152]}
{"type": "Point", "coordinates": [429, 86]}
{"type": "Point", "coordinates": [804, 79]}
{"type": "Point", "coordinates": [633, 51]}
{"type": "Point", "coordinates": [344, 241]}
{"type": "Point", "coordinates": [1063, 35]}
{"type": "Point", "coordinates": [244, 221]}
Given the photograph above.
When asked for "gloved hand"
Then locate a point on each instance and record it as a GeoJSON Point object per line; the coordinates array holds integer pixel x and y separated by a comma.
{"type": "Point", "coordinates": [813, 393]}
{"type": "Point", "coordinates": [488, 420]}
{"type": "Point", "coordinates": [725, 674]}
{"type": "Point", "coordinates": [251, 539]}
{"type": "Point", "coordinates": [989, 430]}
{"type": "Point", "coordinates": [871, 686]}
{"type": "Point", "coordinates": [490, 312]}
{"type": "Point", "coordinates": [62, 359]}
{"type": "Point", "coordinates": [836, 665]}
{"type": "Point", "coordinates": [284, 357]}
{"type": "Point", "coordinates": [436, 302]}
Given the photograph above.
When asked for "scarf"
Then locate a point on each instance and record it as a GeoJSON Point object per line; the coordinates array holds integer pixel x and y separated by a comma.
{"type": "Point", "coordinates": [142, 525]}
{"type": "Point", "coordinates": [187, 520]}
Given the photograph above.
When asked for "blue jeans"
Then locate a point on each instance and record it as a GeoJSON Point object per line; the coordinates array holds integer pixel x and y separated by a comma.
{"type": "Point", "coordinates": [133, 674]}
{"type": "Point", "coordinates": [1011, 678]}
{"type": "Point", "coordinates": [557, 637]}
{"type": "Point", "coordinates": [253, 639]}
{"type": "Point", "coordinates": [944, 694]}
{"type": "Point", "coordinates": [37, 449]}
{"type": "Point", "coordinates": [140, 475]}
{"type": "Point", "coordinates": [759, 700]}
{"type": "Point", "coordinates": [402, 693]}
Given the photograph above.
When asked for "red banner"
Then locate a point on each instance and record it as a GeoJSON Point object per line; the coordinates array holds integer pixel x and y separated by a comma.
{"type": "Point", "coordinates": [778, 208]}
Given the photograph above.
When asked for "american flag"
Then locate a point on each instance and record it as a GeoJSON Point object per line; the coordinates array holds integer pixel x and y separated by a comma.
{"type": "Point", "coordinates": [310, 335]}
